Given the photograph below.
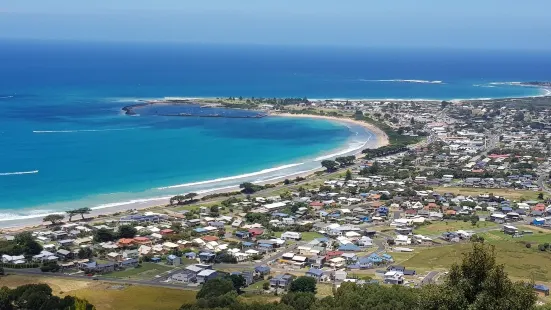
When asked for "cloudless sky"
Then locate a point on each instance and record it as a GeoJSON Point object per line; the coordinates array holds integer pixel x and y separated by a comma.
{"type": "Point", "coordinates": [500, 24]}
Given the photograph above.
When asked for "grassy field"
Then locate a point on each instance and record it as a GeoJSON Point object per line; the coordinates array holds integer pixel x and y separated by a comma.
{"type": "Point", "coordinates": [107, 296]}
{"type": "Point", "coordinates": [147, 271]}
{"type": "Point", "coordinates": [507, 193]}
{"type": "Point", "coordinates": [436, 228]}
{"type": "Point", "coordinates": [306, 236]}
{"type": "Point", "coordinates": [520, 262]}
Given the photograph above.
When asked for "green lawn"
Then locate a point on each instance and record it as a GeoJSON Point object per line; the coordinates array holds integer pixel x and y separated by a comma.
{"type": "Point", "coordinates": [507, 193]}
{"type": "Point", "coordinates": [520, 262]}
{"type": "Point", "coordinates": [439, 227]}
{"type": "Point", "coordinates": [306, 236]}
{"type": "Point", "coordinates": [535, 238]}
{"type": "Point", "coordinates": [146, 271]}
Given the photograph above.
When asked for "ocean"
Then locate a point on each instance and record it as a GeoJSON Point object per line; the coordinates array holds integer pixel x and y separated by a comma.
{"type": "Point", "coordinates": [64, 142]}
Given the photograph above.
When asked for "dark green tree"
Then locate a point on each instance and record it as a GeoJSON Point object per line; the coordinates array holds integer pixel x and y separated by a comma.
{"type": "Point", "coordinates": [104, 235]}
{"type": "Point", "coordinates": [330, 165]}
{"type": "Point", "coordinates": [238, 281]}
{"type": "Point", "coordinates": [478, 283]}
{"type": "Point", "coordinates": [216, 287]}
{"type": "Point", "coordinates": [303, 284]}
{"type": "Point", "coordinates": [127, 231]}
{"type": "Point", "coordinates": [53, 218]}
{"type": "Point", "coordinates": [299, 300]}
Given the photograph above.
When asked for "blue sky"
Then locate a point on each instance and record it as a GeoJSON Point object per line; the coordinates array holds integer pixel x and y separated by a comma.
{"type": "Point", "coordinates": [419, 23]}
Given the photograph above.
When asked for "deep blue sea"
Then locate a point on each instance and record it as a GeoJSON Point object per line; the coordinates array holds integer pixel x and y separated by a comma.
{"type": "Point", "coordinates": [65, 143]}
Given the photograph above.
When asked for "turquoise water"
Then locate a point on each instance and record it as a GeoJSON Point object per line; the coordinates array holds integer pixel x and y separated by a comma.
{"type": "Point", "coordinates": [64, 142]}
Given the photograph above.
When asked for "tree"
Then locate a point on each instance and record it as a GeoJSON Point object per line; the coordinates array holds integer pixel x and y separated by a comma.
{"type": "Point", "coordinates": [83, 211]}
{"type": "Point", "coordinates": [329, 165]}
{"type": "Point", "coordinates": [249, 188]}
{"type": "Point", "coordinates": [54, 218]}
{"type": "Point", "coordinates": [216, 287]}
{"type": "Point", "coordinates": [104, 235]}
{"type": "Point", "coordinates": [190, 196]}
{"type": "Point", "coordinates": [238, 281]}
{"type": "Point", "coordinates": [286, 195]}
{"type": "Point", "coordinates": [1, 273]}
{"type": "Point", "coordinates": [540, 196]}
{"type": "Point", "coordinates": [299, 300]}
{"type": "Point", "coordinates": [370, 296]}
{"type": "Point", "coordinates": [71, 213]}
{"type": "Point", "coordinates": [178, 199]}
{"type": "Point", "coordinates": [127, 231]}
{"type": "Point", "coordinates": [348, 175]}
{"type": "Point", "coordinates": [39, 296]}
{"type": "Point", "coordinates": [478, 282]}
{"type": "Point", "coordinates": [85, 253]}
{"type": "Point", "coordinates": [303, 284]}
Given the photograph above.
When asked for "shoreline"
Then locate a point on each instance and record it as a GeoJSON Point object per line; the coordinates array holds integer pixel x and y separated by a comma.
{"type": "Point", "coordinates": [378, 138]}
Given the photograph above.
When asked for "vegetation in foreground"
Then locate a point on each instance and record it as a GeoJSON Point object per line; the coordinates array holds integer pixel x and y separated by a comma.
{"type": "Point", "coordinates": [478, 282]}
{"type": "Point", "coordinates": [38, 297]}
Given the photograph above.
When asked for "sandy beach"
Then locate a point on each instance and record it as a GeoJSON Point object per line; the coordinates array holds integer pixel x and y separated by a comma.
{"type": "Point", "coordinates": [381, 137]}
{"type": "Point", "coordinates": [17, 225]}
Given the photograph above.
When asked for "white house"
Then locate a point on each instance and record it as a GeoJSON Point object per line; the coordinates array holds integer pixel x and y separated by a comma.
{"type": "Point", "coordinates": [291, 235]}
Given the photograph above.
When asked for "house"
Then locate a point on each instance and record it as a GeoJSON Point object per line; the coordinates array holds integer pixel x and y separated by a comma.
{"type": "Point", "coordinates": [393, 277]}
{"type": "Point", "coordinates": [126, 254]}
{"type": "Point", "coordinates": [256, 232]}
{"type": "Point", "coordinates": [128, 263]}
{"type": "Point", "coordinates": [173, 260]}
{"type": "Point", "coordinates": [243, 234]}
{"type": "Point", "coordinates": [65, 242]}
{"type": "Point", "coordinates": [402, 240]}
{"type": "Point", "coordinates": [262, 270]}
{"type": "Point", "coordinates": [205, 275]}
{"type": "Point", "coordinates": [206, 257]}
{"type": "Point", "coordinates": [247, 275]}
{"type": "Point", "coordinates": [541, 290]}
{"type": "Point", "coordinates": [510, 230]}
{"type": "Point", "coordinates": [64, 254]}
{"type": "Point", "coordinates": [315, 273]}
{"type": "Point", "coordinates": [340, 275]}
{"type": "Point", "coordinates": [184, 277]}
{"type": "Point", "coordinates": [282, 281]}
{"type": "Point", "coordinates": [291, 235]}
{"type": "Point", "coordinates": [7, 259]}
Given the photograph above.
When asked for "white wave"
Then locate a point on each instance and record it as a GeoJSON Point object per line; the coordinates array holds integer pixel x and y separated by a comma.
{"type": "Point", "coordinates": [483, 85]}
{"type": "Point", "coordinates": [28, 215]}
{"type": "Point", "coordinates": [18, 173]}
{"type": "Point", "coordinates": [286, 176]}
{"type": "Point", "coordinates": [88, 130]}
{"type": "Point", "coordinates": [6, 97]}
{"type": "Point", "coordinates": [133, 201]}
{"type": "Point", "coordinates": [351, 148]}
{"type": "Point", "coordinates": [405, 81]}
{"type": "Point", "coordinates": [506, 83]}
{"type": "Point", "coordinates": [246, 175]}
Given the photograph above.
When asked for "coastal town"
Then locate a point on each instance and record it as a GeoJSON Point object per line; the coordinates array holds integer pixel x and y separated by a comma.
{"type": "Point", "coordinates": [452, 174]}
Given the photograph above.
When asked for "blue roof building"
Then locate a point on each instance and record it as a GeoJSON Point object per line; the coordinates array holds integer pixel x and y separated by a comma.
{"type": "Point", "coordinates": [349, 247]}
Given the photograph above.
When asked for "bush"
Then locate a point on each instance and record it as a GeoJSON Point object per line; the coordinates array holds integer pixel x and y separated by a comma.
{"type": "Point", "coordinates": [528, 245]}
{"type": "Point", "coordinates": [266, 286]}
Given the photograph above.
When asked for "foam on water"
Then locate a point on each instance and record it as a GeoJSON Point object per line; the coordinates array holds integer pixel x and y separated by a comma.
{"type": "Point", "coordinates": [246, 175]}
{"type": "Point", "coordinates": [405, 81]}
{"type": "Point", "coordinates": [18, 173]}
{"type": "Point", "coordinates": [88, 130]}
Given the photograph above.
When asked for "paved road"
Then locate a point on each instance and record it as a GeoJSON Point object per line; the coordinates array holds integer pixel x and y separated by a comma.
{"type": "Point", "coordinates": [429, 278]}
